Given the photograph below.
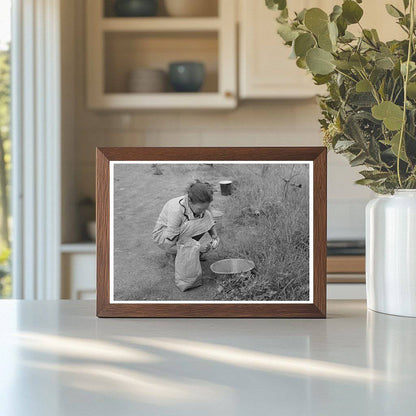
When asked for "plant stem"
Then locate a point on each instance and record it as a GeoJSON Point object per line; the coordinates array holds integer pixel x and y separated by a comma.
{"type": "Point", "coordinates": [345, 75]}
{"type": "Point", "coordinates": [373, 89]}
{"type": "Point", "coordinates": [397, 95]}
{"type": "Point", "coordinates": [406, 80]}
{"type": "Point", "coordinates": [392, 90]}
{"type": "Point", "coordinates": [369, 41]}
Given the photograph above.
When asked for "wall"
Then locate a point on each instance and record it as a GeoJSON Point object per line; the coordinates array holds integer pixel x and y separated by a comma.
{"type": "Point", "coordinates": [265, 123]}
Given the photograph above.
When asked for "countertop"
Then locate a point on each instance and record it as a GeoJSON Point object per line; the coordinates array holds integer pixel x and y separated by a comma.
{"type": "Point", "coordinates": [57, 358]}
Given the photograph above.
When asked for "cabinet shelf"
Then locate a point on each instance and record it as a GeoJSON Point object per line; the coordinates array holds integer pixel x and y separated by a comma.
{"type": "Point", "coordinates": [80, 247]}
{"type": "Point", "coordinates": [117, 46]}
{"type": "Point", "coordinates": [159, 24]}
{"type": "Point", "coordinates": [128, 101]}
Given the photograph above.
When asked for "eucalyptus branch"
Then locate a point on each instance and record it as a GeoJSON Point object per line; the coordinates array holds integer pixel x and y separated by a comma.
{"type": "Point", "coordinates": [398, 95]}
{"type": "Point", "coordinates": [369, 41]}
{"type": "Point", "coordinates": [392, 90]}
{"type": "Point", "coordinates": [404, 29]}
{"type": "Point", "coordinates": [385, 118]}
{"type": "Point", "coordinates": [346, 75]}
{"type": "Point", "coordinates": [406, 80]}
{"type": "Point", "coordinates": [412, 76]}
{"type": "Point", "coordinates": [373, 89]}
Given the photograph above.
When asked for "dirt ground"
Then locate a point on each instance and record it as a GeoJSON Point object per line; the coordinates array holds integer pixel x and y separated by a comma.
{"type": "Point", "coordinates": [141, 271]}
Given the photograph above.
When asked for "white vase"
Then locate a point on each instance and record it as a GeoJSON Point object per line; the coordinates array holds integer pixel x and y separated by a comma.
{"type": "Point", "coordinates": [391, 253]}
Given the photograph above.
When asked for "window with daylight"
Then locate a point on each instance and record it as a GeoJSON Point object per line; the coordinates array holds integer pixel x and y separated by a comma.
{"type": "Point", "coordinates": [5, 145]}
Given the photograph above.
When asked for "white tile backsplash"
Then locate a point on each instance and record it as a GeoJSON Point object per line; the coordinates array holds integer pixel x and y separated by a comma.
{"type": "Point", "coordinates": [165, 138]}
{"type": "Point", "coordinates": [346, 219]}
{"type": "Point", "coordinates": [341, 180]}
{"type": "Point", "coordinates": [271, 123]}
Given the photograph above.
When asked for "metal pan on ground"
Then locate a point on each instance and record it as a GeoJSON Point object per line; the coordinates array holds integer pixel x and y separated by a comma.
{"type": "Point", "coordinates": [232, 266]}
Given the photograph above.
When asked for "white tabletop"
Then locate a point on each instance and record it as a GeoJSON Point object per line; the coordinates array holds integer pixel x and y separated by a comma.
{"type": "Point", "coordinates": [58, 359]}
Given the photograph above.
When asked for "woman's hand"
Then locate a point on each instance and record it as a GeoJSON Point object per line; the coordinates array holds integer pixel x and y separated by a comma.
{"type": "Point", "coordinates": [215, 242]}
{"type": "Point", "coordinates": [204, 248]}
{"type": "Point", "coordinates": [213, 232]}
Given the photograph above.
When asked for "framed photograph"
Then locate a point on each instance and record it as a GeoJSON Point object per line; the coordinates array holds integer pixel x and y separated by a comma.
{"type": "Point", "coordinates": [211, 232]}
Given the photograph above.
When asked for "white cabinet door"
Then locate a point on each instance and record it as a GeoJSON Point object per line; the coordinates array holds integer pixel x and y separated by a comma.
{"type": "Point", "coordinates": [78, 276]}
{"type": "Point", "coordinates": [265, 68]}
{"type": "Point", "coordinates": [376, 17]}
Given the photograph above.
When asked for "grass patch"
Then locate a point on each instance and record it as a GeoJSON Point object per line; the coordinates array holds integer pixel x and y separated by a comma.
{"type": "Point", "coordinates": [267, 221]}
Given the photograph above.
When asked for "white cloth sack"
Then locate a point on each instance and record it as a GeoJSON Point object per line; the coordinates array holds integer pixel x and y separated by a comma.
{"type": "Point", "coordinates": [188, 271]}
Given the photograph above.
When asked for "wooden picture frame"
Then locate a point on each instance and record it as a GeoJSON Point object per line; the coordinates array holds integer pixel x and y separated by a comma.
{"type": "Point", "coordinates": [314, 308]}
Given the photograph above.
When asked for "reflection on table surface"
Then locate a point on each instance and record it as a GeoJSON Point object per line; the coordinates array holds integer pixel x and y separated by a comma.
{"type": "Point", "coordinates": [57, 358]}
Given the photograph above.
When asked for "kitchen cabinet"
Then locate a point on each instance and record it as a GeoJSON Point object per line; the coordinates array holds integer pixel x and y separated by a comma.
{"type": "Point", "coordinates": [118, 45]}
{"type": "Point", "coordinates": [78, 271]}
{"type": "Point", "coordinates": [265, 70]}
{"type": "Point", "coordinates": [376, 16]}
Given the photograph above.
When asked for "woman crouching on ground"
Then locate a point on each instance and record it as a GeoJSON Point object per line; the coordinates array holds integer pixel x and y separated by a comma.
{"type": "Point", "coordinates": [187, 216]}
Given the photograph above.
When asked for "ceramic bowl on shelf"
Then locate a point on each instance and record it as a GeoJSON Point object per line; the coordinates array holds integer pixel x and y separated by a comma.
{"type": "Point", "coordinates": [147, 80]}
{"type": "Point", "coordinates": [135, 8]}
{"type": "Point", "coordinates": [191, 8]}
{"type": "Point", "coordinates": [186, 76]}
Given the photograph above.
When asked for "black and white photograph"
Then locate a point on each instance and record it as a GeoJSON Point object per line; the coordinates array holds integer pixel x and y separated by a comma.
{"type": "Point", "coordinates": [211, 232]}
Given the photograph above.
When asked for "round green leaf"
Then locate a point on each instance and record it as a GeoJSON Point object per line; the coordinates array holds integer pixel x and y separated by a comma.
{"type": "Point", "coordinates": [276, 4]}
{"type": "Point", "coordinates": [328, 40]}
{"type": "Point", "coordinates": [303, 43]}
{"type": "Point", "coordinates": [324, 42]}
{"type": "Point", "coordinates": [342, 25]}
{"type": "Point", "coordinates": [342, 64]}
{"type": "Point", "coordinates": [347, 37]}
{"type": "Point", "coordinates": [319, 61]}
{"type": "Point", "coordinates": [316, 20]}
{"type": "Point", "coordinates": [351, 11]}
{"type": "Point", "coordinates": [363, 86]}
{"type": "Point", "coordinates": [321, 79]}
{"type": "Point", "coordinates": [394, 144]}
{"type": "Point", "coordinates": [385, 63]}
{"type": "Point", "coordinates": [358, 61]}
{"type": "Point", "coordinates": [391, 114]}
{"type": "Point", "coordinates": [286, 32]}
{"type": "Point", "coordinates": [396, 71]}
{"type": "Point", "coordinates": [368, 36]}
{"type": "Point", "coordinates": [333, 32]}
{"type": "Point", "coordinates": [411, 90]}
{"type": "Point", "coordinates": [300, 16]}
{"type": "Point", "coordinates": [301, 63]}
{"type": "Point", "coordinates": [336, 12]}
{"type": "Point", "coordinates": [403, 66]}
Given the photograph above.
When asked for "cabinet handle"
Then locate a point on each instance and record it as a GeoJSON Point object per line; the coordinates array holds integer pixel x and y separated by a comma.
{"type": "Point", "coordinates": [228, 94]}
